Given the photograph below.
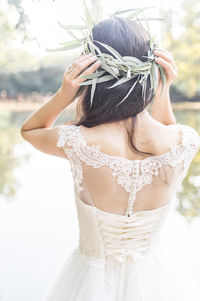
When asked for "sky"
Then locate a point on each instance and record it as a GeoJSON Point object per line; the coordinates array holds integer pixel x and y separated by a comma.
{"type": "Point", "coordinates": [45, 14]}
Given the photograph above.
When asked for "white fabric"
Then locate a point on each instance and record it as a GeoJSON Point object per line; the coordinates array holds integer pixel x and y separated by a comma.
{"type": "Point", "coordinates": [119, 255]}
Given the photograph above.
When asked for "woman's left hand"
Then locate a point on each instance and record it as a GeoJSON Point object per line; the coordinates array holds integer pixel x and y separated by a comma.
{"type": "Point", "coordinates": [166, 60]}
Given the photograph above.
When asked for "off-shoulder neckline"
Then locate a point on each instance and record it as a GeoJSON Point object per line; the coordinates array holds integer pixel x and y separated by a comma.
{"type": "Point", "coordinates": [134, 161]}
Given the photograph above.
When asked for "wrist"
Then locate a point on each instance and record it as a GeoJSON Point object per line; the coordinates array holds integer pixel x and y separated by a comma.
{"type": "Point", "coordinates": [59, 100]}
{"type": "Point", "coordinates": [60, 93]}
{"type": "Point", "coordinates": [163, 91]}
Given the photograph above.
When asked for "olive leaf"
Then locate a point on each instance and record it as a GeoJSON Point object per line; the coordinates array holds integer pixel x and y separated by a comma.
{"type": "Point", "coordinates": [67, 46]}
{"type": "Point", "coordinates": [89, 22]}
{"type": "Point", "coordinates": [113, 51]}
{"type": "Point", "coordinates": [99, 80]}
{"type": "Point", "coordinates": [131, 89]}
{"type": "Point", "coordinates": [94, 75]}
{"type": "Point", "coordinates": [72, 27]}
{"type": "Point", "coordinates": [154, 78]}
{"type": "Point", "coordinates": [119, 12]}
{"type": "Point", "coordinates": [121, 81]}
{"type": "Point", "coordinates": [121, 68]}
{"type": "Point", "coordinates": [162, 76]}
{"type": "Point", "coordinates": [132, 59]}
{"type": "Point", "coordinates": [94, 82]}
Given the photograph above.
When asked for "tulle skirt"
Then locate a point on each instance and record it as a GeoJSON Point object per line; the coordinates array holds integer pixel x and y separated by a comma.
{"type": "Point", "coordinates": [161, 277]}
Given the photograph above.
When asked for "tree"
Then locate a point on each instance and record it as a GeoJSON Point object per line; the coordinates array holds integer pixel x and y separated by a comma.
{"type": "Point", "coordinates": [186, 48]}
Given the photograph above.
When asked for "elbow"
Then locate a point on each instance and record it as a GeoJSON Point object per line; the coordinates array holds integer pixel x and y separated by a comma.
{"type": "Point", "coordinates": [23, 133]}
{"type": "Point", "coordinates": [173, 121]}
{"type": "Point", "coordinates": [169, 121]}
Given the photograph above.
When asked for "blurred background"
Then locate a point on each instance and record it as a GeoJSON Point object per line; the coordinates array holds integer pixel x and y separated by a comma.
{"type": "Point", "coordinates": [38, 221]}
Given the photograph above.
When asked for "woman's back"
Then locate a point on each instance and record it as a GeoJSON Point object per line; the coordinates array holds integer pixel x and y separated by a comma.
{"type": "Point", "coordinates": [122, 204]}
{"type": "Point", "coordinates": [111, 177]}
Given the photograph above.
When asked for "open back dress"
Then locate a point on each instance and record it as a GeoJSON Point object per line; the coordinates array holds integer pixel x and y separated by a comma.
{"type": "Point", "coordinates": [119, 256]}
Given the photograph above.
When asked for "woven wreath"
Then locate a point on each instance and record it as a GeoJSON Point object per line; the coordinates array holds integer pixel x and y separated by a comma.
{"type": "Point", "coordinates": [113, 65]}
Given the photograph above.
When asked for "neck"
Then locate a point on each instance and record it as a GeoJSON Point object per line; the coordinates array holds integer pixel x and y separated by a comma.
{"type": "Point", "coordinates": [143, 118]}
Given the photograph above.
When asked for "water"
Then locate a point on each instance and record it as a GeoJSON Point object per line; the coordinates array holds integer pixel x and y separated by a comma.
{"type": "Point", "coordinates": [38, 221]}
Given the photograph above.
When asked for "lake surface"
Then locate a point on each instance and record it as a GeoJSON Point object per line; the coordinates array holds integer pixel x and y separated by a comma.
{"type": "Point", "coordinates": [38, 221]}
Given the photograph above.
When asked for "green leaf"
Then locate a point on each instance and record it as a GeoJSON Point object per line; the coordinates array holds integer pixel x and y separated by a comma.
{"type": "Point", "coordinates": [95, 48]}
{"type": "Point", "coordinates": [121, 81]}
{"type": "Point", "coordinates": [152, 19]}
{"type": "Point", "coordinates": [113, 51]}
{"type": "Point", "coordinates": [99, 80]}
{"type": "Point", "coordinates": [107, 56]}
{"type": "Point", "coordinates": [72, 27]}
{"type": "Point", "coordinates": [146, 22]}
{"type": "Point", "coordinates": [132, 59]}
{"type": "Point", "coordinates": [74, 41]}
{"type": "Point", "coordinates": [73, 35]}
{"type": "Point", "coordinates": [89, 20]}
{"type": "Point", "coordinates": [118, 12]}
{"type": "Point", "coordinates": [67, 46]}
{"type": "Point", "coordinates": [144, 67]}
{"type": "Point", "coordinates": [108, 69]}
{"type": "Point", "coordinates": [134, 15]}
{"type": "Point", "coordinates": [131, 89]}
{"type": "Point", "coordinates": [154, 78]}
{"type": "Point", "coordinates": [162, 76]}
{"type": "Point", "coordinates": [94, 75]}
{"type": "Point", "coordinates": [129, 73]}
{"type": "Point", "coordinates": [88, 42]}
{"type": "Point", "coordinates": [94, 82]}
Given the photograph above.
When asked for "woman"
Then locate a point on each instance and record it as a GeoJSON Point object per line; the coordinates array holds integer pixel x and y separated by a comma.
{"type": "Point", "coordinates": [127, 164]}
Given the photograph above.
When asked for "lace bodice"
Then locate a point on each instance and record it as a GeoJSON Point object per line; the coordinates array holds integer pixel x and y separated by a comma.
{"type": "Point", "coordinates": [108, 238]}
{"type": "Point", "coordinates": [132, 175]}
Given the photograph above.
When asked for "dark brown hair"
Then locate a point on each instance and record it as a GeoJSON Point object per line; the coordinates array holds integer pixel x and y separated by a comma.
{"type": "Point", "coordinates": [129, 39]}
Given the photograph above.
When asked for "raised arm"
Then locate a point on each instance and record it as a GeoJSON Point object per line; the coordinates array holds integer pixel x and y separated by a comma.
{"type": "Point", "coordinates": [37, 129]}
{"type": "Point", "coordinates": [162, 109]}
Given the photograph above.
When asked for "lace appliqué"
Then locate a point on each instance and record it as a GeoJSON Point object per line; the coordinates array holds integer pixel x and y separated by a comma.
{"type": "Point", "coordinates": [67, 137]}
{"type": "Point", "coordinates": [77, 150]}
{"type": "Point", "coordinates": [131, 174]}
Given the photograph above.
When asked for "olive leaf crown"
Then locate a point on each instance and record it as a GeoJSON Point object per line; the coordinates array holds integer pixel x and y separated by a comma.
{"type": "Point", "coordinates": [121, 68]}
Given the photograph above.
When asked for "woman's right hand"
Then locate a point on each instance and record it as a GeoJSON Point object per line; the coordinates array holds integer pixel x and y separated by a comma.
{"type": "Point", "coordinates": [72, 78]}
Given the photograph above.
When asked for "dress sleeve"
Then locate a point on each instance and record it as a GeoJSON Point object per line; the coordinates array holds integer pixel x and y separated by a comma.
{"type": "Point", "coordinates": [66, 138]}
{"type": "Point", "coordinates": [192, 137]}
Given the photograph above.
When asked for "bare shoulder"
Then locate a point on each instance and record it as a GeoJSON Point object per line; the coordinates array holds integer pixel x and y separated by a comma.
{"type": "Point", "coordinates": [113, 140]}
{"type": "Point", "coordinates": [165, 137]}
{"type": "Point", "coordinates": [103, 134]}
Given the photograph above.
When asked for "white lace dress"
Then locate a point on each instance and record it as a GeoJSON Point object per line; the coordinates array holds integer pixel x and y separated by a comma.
{"type": "Point", "coordinates": [119, 257]}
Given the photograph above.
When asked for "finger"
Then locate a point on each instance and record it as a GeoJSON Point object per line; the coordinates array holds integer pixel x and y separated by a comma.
{"type": "Point", "coordinates": [164, 50]}
{"type": "Point", "coordinates": [79, 60]}
{"type": "Point", "coordinates": [167, 56]}
{"type": "Point", "coordinates": [170, 55]}
{"type": "Point", "coordinates": [80, 66]}
{"type": "Point", "coordinates": [82, 58]}
{"type": "Point", "coordinates": [88, 71]}
{"type": "Point", "coordinates": [166, 65]}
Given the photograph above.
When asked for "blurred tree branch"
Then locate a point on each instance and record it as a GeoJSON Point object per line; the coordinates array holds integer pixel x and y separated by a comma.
{"type": "Point", "coordinates": [186, 47]}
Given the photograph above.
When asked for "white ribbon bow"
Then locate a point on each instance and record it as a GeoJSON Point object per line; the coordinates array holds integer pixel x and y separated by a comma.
{"type": "Point", "coordinates": [123, 259]}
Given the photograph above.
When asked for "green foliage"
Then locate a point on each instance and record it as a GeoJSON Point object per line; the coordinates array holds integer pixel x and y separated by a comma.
{"type": "Point", "coordinates": [43, 80]}
{"type": "Point", "coordinates": [186, 49]}
{"type": "Point", "coordinates": [111, 61]}
{"type": "Point", "coordinates": [10, 57]}
{"type": "Point", "coordinates": [189, 196]}
{"type": "Point", "coordinates": [8, 161]}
